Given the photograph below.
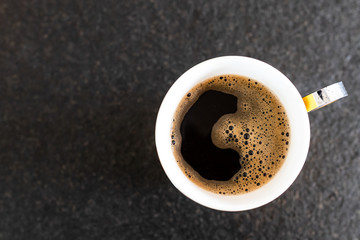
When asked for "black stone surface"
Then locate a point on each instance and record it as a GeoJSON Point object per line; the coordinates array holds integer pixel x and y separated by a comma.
{"type": "Point", "coordinates": [80, 86]}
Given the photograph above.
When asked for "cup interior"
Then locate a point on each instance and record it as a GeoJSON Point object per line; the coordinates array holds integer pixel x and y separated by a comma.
{"type": "Point", "coordinates": [288, 95]}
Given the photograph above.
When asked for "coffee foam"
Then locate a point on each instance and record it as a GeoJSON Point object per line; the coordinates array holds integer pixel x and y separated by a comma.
{"type": "Point", "coordinates": [259, 131]}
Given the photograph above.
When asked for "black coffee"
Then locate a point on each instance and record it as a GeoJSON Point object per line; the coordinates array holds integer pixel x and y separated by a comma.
{"type": "Point", "coordinates": [230, 134]}
{"type": "Point", "coordinates": [197, 147]}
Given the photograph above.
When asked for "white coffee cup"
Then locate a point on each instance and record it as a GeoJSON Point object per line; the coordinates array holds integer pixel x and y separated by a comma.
{"type": "Point", "coordinates": [291, 100]}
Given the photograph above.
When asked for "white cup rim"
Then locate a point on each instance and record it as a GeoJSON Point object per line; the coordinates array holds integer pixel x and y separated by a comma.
{"type": "Point", "coordinates": [287, 93]}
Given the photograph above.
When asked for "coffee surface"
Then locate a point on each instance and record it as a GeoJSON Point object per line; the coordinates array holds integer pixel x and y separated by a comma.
{"type": "Point", "coordinates": [230, 134]}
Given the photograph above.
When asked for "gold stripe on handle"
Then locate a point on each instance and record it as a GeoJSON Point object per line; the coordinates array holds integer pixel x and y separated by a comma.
{"type": "Point", "coordinates": [310, 102]}
{"type": "Point", "coordinates": [324, 96]}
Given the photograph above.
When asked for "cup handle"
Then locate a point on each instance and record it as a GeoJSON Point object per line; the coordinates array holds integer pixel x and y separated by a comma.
{"type": "Point", "coordinates": [325, 96]}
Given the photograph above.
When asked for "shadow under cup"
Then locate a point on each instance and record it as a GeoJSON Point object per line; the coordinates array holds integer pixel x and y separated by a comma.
{"type": "Point", "coordinates": [291, 100]}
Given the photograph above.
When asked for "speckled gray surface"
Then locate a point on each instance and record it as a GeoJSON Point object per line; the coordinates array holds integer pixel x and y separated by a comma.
{"type": "Point", "coordinates": [80, 86]}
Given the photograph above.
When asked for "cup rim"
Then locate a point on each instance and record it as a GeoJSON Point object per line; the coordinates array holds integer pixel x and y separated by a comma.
{"type": "Point", "coordinates": [299, 127]}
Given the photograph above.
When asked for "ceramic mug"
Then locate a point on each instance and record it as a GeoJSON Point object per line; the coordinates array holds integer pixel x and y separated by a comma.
{"type": "Point", "coordinates": [297, 109]}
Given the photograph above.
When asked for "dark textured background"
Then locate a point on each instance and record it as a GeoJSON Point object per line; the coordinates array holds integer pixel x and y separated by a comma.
{"type": "Point", "coordinates": [80, 86]}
